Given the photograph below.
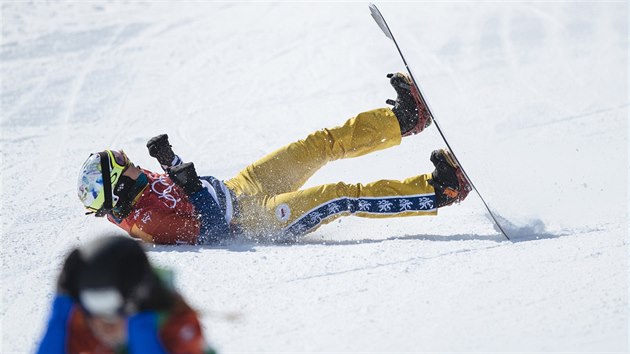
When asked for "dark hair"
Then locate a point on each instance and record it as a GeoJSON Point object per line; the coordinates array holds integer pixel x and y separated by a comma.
{"type": "Point", "coordinates": [121, 263]}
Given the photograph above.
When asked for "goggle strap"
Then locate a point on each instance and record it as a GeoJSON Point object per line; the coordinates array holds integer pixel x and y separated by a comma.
{"type": "Point", "coordinates": [107, 182]}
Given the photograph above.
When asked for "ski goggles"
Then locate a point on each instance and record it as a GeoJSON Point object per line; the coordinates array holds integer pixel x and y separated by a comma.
{"type": "Point", "coordinates": [120, 159]}
{"type": "Point", "coordinates": [106, 302]}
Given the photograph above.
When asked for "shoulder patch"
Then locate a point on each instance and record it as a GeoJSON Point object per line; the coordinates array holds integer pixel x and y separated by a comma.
{"type": "Point", "coordinates": [283, 212]}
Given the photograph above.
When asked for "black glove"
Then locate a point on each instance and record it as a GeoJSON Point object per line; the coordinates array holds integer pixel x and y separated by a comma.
{"type": "Point", "coordinates": [67, 283]}
{"type": "Point", "coordinates": [160, 148]}
{"type": "Point", "coordinates": [186, 177]}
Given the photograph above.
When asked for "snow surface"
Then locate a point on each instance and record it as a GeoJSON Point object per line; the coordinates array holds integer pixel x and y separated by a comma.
{"type": "Point", "coordinates": [533, 96]}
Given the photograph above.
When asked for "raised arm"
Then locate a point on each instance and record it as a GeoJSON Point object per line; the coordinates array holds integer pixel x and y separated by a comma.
{"type": "Point", "coordinates": [160, 148]}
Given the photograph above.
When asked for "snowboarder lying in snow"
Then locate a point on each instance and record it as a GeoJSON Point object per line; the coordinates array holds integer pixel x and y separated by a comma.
{"type": "Point", "coordinates": [109, 299]}
{"type": "Point", "coordinates": [264, 199]}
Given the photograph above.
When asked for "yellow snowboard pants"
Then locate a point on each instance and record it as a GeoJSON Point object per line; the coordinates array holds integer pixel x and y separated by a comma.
{"type": "Point", "coordinates": [270, 202]}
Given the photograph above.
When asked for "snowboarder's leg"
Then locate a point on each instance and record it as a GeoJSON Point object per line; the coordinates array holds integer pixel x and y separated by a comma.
{"type": "Point", "coordinates": [297, 213]}
{"type": "Point", "coordinates": [288, 168]}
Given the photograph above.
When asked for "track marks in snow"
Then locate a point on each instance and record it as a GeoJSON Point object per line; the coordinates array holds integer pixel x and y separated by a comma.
{"type": "Point", "coordinates": [86, 67]}
{"type": "Point", "coordinates": [569, 118]}
{"type": "Point", "coordinates": [415, 261]}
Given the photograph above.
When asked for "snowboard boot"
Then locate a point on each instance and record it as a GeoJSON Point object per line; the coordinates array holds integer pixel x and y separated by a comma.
{"type": "Point", "coordinates": [412, 114]}
{"type": "Point", "coordinates": [448, 180]}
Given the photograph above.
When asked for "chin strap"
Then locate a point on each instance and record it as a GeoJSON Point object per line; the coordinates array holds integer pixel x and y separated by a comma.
{"type": "Point", "coordinates": [127, 191]}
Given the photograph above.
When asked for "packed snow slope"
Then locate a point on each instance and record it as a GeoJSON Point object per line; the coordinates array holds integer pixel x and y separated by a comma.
{"type": "Point", "coordinates": [533, 97]}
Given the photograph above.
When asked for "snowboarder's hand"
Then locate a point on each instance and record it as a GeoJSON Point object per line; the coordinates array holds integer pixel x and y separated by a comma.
{"type": "Point", "coordinates": [186, 177]}
{"type": "Point", "coordinates": [160, 148]}
{"type": "Point", "coordinates": [68, 278]}
{"type": "Point", "coordinates": [400, 83]}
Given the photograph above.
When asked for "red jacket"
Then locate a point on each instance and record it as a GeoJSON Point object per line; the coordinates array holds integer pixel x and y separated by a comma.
{"type": "Point", "coordinates": [178, 331]}
{"type": "Point", "coordinates": [162, 214]}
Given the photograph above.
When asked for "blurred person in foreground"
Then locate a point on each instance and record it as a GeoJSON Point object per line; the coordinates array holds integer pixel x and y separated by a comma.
{"type": "Point", "coordinates": [110, 300]}
{"type": "Point", "coordinates": [266, 200]}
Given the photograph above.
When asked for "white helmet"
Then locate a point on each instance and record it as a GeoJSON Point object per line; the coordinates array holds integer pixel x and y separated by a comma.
{"type": "Point", "coordinates": [98, 178]}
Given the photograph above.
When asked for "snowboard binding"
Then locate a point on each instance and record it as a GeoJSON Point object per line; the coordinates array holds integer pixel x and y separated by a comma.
{"type": "Point", "coordinates": [410, 110]}
{"type": "Point", "coordinates": [448, 180]}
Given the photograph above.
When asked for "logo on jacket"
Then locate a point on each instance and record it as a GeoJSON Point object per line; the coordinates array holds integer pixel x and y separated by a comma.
{"type": "Point", "coordinates": [146, 217]}
{"type": "Point", "coordinates": [283, 212]}
{"type": "Point", "coordinates": [164, 190]}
